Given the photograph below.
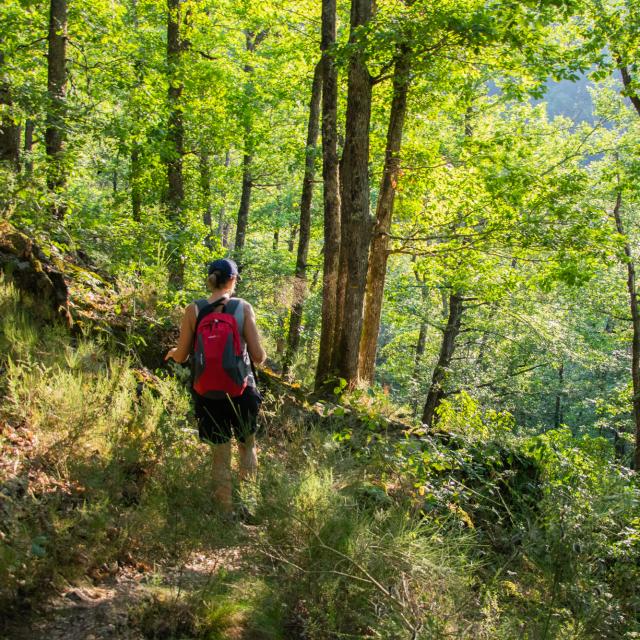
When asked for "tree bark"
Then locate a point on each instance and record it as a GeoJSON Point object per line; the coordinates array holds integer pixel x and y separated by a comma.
{"type": "Point", "coordinates": [56, 93]}
{"type": "Point", "coordinates": [29, 128]}
{"type": "Point", "coordinates": [245, 202]}
{"type": "Point", "coordinates": [252, 41]}
{"type": "Point", "coordinates": [175, 134]}
{"type": "Point", "coordinates": [635, 321]}
{"type": "Point", "coordinates": [447, 348]}
{"type": "Point", "coordinates": [626, 81]}
{"type": "Point", "coordinates": [205, 189]}
{"type": "Point", "coordinates": [354, 195]}
{"type": "Point", "coordinates": [378, 253]}
{"type": "Point", "coordinates": [331, 194]}
{"type": "Point", "coordinates": [421, 344]}
{"type": "Point", "coordinates": [300, 282]}
{"type": "Point", "coordinates": [291, 242]}
{"type": "Point", "coordinates": [223, 225]}
{"type": "Point", "coordinates": [136, 196]}
{"type": "Point", "coordinates": [9, 130]}
{"type": "Point", "coordinates": [557, 414]}
{"type": "Point", "coordinates": [135, 170]}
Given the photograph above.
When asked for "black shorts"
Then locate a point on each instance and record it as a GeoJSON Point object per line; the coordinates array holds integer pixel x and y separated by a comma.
{"type": "Point", "coordinates": [219, 419]}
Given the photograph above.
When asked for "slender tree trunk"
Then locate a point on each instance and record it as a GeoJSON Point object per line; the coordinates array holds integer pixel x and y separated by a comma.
{"type": "Point", "coordinates": [9, 130]}
{"type": "Point", "coordinates": [417, 364]}
{"type": "Point", "coordinates": [356, 219]}
{"type": "Point", "coordinates": [447, 348]}
{"type": "Point", "coordinates": [557, 414]}
{"type": "Point", "coordinates": [175, 135]}
{"type": "Point", "coordinates": [421, 344]}
{"type": "Point", "coordinates": [245, 202]}
{"type": "Point", "coordinates": [635, 320]}
{"type": "Point", "coordinates": [205, 189]}
{"type": "Point", "coordinates": [330, 175]}
{"type": "Point", "coordinates": [136, 196]}
{"type": "Point", "coordinates": [252, 41]}
{"type": "Point", "coordinates": [341, 291]}
{"type": "Point", "coordinates": [300, 282]}
{"type": "Point", "coordinates": [135, 157]}
{"type": "Point", "coordinates": [291, 242]}
{"type": "Point", "coordinates": [114, 180]}
{"type": "Point", "coordinates": [29, 128]}
{"type": "Point", "coordinates": [223, 225]}
{"type": "Point", "coordinates": [56, 92]}
{"type": "Point", "coordinates": [378, 254]}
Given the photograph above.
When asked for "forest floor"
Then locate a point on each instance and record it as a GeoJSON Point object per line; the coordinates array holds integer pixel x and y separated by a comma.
{"type": "Point", "coordinates": [100, 609]}
{"type": "Point", "coordinates": [105, 602]}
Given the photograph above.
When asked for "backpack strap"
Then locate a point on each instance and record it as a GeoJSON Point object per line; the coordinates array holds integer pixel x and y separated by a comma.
{"type": "Point", "coordinates": [235, 307]}
{"type": "Point", "coordinates": [204, 308]}
{"type": "Point", "coordinates": [200, 305]}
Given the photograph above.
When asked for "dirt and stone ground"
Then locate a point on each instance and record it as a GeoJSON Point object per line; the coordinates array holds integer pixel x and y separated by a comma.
{"type": "Point", "coordinates": [102, 609]}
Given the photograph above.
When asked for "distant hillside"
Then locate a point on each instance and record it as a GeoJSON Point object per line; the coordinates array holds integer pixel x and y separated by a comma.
{"type": "Point", "coordinates": [570, 99]}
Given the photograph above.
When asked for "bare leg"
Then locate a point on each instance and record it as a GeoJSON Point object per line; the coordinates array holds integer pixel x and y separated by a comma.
{"type": "Point", "coordinates": [222, 476]}
{"type": "Point", "coordinates": [248, 455]}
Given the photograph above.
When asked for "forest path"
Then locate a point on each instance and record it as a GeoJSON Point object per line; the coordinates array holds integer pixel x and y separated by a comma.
{"type": "Point", "coordinates": [106, 608]}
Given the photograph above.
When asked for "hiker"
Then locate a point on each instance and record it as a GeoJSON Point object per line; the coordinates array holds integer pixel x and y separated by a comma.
{"type": "Point", "coordinates": [223, 415]}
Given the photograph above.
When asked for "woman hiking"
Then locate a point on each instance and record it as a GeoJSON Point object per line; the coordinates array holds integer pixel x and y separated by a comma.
{"type": "Point", "coordinates": [231, 408]}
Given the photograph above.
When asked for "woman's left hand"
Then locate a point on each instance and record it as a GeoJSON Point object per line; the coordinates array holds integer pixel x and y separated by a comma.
{"type": "Point", "coordinates": [170, 354]}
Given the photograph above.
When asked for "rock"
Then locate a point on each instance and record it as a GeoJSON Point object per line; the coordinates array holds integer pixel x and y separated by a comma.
{"type": "Point", "coordinates": [27, 266]}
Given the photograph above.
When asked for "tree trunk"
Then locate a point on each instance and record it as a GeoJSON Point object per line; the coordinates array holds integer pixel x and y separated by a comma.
{"type": "Point", "coordinates": [291, 242]}
{"type": "Point", "coordinates": [245, 201]}
{"type": "Point", "coordinates": [447, 348]}
{"type": "Point", "coordinates": [29, 128]}
{"type": "Point", "coordinates": [378, 254]}
{"type": "Point", "coordinates": [205, 189]}
{"type": "Point", "coordinates": [354, 192]}
{"type": "Point", "coordinates": [223, 225]}
{"type": "Point", "coordinates": [175, 138]}
{"type": "Point", "coordinates": [175, 134]}
{"type": "Point", "coordinates": [417, 365]}
{"type": "Point", "coordinates": [627, 81]}
{"type": "Point", "coordinates": [114, 179]}
{"type": "Point", "coordinates": [136, 197]}
{"type": "Point", "coordinates": [252, 41]}
{"type": "Point", "coordinates": [557, 414]}
{"type": "Point", "coordinates": [421, 344]}
{"type": "Point", "coordinates": [331, 194]}
{"type": "Point", "coordinates": [300, 282]}
{"type": "Point", "coordinates": [56, 93]}
{"type": "Point", "coordinates": [635, 320]}
{"type": "Point", "coordinates": [9, 130]}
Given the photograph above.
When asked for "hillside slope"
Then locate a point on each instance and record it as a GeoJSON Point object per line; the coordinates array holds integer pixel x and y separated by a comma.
{"type": "Point", "coordinates": [359, 528]}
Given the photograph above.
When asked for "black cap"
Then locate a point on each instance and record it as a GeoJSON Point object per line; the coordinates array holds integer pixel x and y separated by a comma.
{"type": "Point", "coordinates": [228, 268]}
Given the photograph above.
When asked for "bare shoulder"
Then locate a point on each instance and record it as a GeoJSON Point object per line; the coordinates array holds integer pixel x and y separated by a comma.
{"type": "Point", "coordinates": [248, 308]}
{"type": "Point", "coordinates": [191, 313]}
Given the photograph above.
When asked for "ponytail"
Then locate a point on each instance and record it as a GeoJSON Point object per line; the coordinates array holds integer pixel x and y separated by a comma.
{"type": "Point", "coordinates": [216, 279]}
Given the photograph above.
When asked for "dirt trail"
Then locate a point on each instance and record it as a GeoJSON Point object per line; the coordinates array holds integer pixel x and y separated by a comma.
{"type": "Point", "coordinates": [101, 610]}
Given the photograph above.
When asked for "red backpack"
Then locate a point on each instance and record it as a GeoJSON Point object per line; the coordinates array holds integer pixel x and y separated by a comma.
{"type": "Point", "coordinates": [219, 365]}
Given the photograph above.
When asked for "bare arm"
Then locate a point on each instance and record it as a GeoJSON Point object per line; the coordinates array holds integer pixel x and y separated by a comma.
{"type": "Point", "coordinates": [252, 337]}
{"type": "Point", "coordinates": [185, 341]}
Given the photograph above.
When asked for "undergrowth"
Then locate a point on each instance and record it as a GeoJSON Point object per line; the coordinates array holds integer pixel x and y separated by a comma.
{"type": "Point", "coordinates": [472, 532]}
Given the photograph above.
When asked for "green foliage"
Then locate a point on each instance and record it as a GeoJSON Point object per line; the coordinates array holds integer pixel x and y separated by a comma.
{"type": "Point", "coordinates": [516, 505]}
